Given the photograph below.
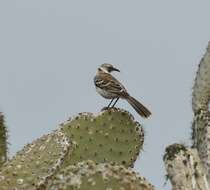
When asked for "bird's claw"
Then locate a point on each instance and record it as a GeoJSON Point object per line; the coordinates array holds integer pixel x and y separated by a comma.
{"type": "Point", "coordinates": [105, 108]}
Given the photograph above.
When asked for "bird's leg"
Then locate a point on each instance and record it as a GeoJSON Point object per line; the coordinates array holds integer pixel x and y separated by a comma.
{"type": "Point", "coordinates": [106, 108]}
{"type": "Point", "coordinates": [115, 102]}
{"type": "Point", "coordinates": [110, 103]}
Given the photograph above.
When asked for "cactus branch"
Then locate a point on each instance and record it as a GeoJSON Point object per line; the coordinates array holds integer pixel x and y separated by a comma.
{"type": "Point", "coordinates": [200, 102]}
{"type": "Point", "coordinates": [184, 168]}
{"type": "Point", "coordinates": [3, 140]}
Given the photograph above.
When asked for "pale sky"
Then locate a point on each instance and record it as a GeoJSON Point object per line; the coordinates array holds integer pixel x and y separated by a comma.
{"type": "Point", "coordinates": [50, 50]}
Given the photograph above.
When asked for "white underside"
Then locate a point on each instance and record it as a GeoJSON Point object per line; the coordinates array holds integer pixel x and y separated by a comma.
{"type": "Point", "coordinates": [105, 94]}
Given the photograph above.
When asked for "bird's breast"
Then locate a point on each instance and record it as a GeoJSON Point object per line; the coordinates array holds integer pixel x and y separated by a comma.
{"type": "Point", "coordinates": [105, 93]}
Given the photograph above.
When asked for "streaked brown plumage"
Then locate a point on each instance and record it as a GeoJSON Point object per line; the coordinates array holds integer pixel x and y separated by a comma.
{"type": "Point", "coordinates": [109, 87]}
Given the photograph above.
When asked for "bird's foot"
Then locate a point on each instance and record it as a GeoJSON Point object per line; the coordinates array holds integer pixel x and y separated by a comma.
{"type": "Point", "coordinates": [105, 108]}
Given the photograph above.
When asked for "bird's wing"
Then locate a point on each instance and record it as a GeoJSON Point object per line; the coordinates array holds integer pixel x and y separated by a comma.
{"type": "Point", "coordinates": [107, 82]}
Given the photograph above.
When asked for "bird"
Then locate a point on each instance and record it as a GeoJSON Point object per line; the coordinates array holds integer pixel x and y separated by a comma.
{"type": "Point", "coordinates": [110, 88]}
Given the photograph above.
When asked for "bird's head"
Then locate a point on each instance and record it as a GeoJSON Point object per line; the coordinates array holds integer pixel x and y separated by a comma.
{"type": "Point", "coordinates": [107, 68]}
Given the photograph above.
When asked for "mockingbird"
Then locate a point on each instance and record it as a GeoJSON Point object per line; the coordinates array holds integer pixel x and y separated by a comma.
{"type": "Point", "coordinates": [110, 88]}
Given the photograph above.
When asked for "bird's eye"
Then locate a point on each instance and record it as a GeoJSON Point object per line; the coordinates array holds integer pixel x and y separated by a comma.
{"type": "Point", "coordinates": [109, 69]}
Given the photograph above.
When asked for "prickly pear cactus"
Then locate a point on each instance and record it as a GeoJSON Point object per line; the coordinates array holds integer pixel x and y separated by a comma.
{"type": "Point", "coordinates": [89, 176]}
{"type": "Point", "coordinates": [184, 168]}
{"type": "Point", "coordinates": [3, 140]}
{"type": "Point", "coordinates": [35, 163]}
{"type": "Point", "coordinates": [111, 136]}
{"type": "Point", "coordinates": [200, 102]}
{"type": "Point", "coordinates": [189, 168]}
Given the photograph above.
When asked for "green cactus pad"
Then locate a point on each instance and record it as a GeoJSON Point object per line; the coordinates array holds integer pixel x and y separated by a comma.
{"type": "Point", "coordinates": [111, 136]}
{"type": "Point", "coordinates": [90, 176]}
{"type": "Point", "coordinates": [35, 163]}
{"type": "Point", "coordinates": [3, 140]}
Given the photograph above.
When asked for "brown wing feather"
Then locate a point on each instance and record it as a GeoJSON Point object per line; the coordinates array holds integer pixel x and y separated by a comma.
{"type": "Point", "coordinates": [107, 82]}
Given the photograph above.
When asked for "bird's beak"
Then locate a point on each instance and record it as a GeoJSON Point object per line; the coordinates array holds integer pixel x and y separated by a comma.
{"type": "Point", "coordinates": [115, 69]}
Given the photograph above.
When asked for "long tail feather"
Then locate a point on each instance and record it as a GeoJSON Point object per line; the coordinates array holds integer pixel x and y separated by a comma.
{"type": "Point", "coordinates": [140, 108]}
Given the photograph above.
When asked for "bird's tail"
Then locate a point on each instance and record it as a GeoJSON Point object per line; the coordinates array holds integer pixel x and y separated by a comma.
{"type": "Point", "coordinates": [140, 109]}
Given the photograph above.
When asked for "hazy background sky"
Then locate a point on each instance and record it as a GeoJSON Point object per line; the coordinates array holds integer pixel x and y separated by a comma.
{"type": "Point", "coordinates": [50, 50]}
